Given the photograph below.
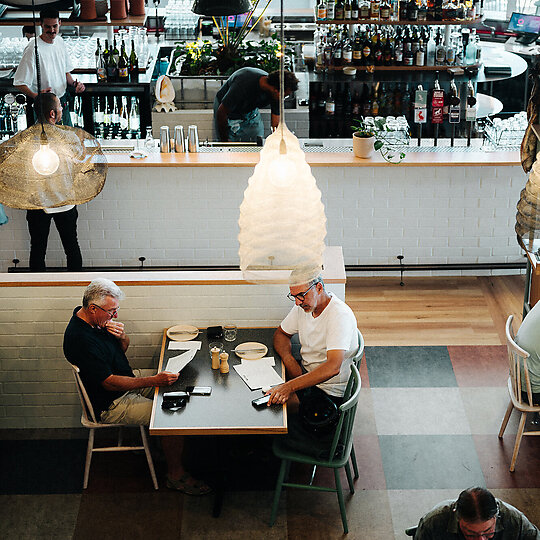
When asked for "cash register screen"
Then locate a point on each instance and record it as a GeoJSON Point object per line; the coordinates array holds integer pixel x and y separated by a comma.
{"type": "Point", "coordinates": [524, 24]}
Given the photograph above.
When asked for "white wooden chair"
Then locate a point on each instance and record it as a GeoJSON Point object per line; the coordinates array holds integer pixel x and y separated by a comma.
{"type": "Point", "coordinates": [88, 420]}
{"type": "Point", "coordinates": [518, 376]}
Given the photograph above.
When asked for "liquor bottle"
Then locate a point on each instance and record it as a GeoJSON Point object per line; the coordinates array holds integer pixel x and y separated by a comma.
{"type": "Point", "coordinates": [79, 110]}
{"type": "Point", "coordinates": [340, 10]}
{"type": "Point", "coordinates": [471, 53]}
{"type": "Point", "coordinates": [375, 9]}
{"type": "Point", "coordinates": [106, 54]}
{"type": "Point", "coordinates": [133, 65]}
{"type": "Point", "coordinates": [388, 56]}
{"type": "Point", "coordinates": [355, 10]}
{"type": "Point", "coordinates": [321, 10]}
{"type": "Point", "coordinates": [440, 50]}
{"type": "Point", "coordinates": [451, 54]}
{"type": "Point", "coordinates": [123, 66]}
{"type": "Point", "coordinates": [375, 100]}
{"type": "Point", "coordinates": [367, 56]}
{"type": "Point", "coordinates": [403, 10]}
{"type": "Point", "coordinates": [348, 103]}
{"type": "Point", "coordinates": [415, 41]}
{"type": "Point", "coordinates": [124, 119]}
{"type": "Point", "coordinates": [430, 51]}
{"type": "Point", "coordinates": [438, 10]}
{"type": "Point", "coordinates": [106, 117]}
{"type": "Point", "coordinates": [366, 101]}
{"type": "Point", "coordinates": [394, 12]}
{"type": "Point", "coordinates": [112, 68]}
{"type": "Point", "coordinates": [397, 101]}
{"type": "Point", "coordinates": [378, 52]}
{"type": "Point", "coordinates": [330, 104]}
{"type": "Point", "coordinates": [420, 59]}
{"type": "Point", "coordinates": [407, 103]}
{"type": "Point", "coordinates": [412, 11]}
{"type": "Point", "coordinates": [347, 9]}
{"type": "Point", "coordinates": [115, 117]}
{"type": "Point", "coordinates": [330, 10]}
{"type": "Point", "coordinates": [21, 118]}
{"type": "Point", "coordinates": [98, 117]}
{"type": "Point", "coordinates": [384, 101]}
{"type": "Point", "coordinates": [422, 10]}
{"type": "Point", "coordinates": [321, 104]}
{"type": "Point", "coordinates": [337, 54]}
{"type": "Point", "coordinates": [134, 119]}
{"type": "Point", "coordinates": [357, 51]}
{"type": "Point", "coordinates": [398, 51]}
{"type": "Point", "coordinates": [356, 105]}
{"type": "Point", "coordinates": [338, 108]}
{"type": "Point", "coordinates": [101, 69]}
{"type": "Point", "coordinates": [385, 10]}
{"type": "Point", "coordinates": [430, 16]}
{"type": "Point", "coordinates": [365, 9]}
{"type": "Point", "coordinates": [115, 53]}
{"type": "Point", "coordinates": [347, 52]}
{"type": "Point", "coordinates": [408, 57]}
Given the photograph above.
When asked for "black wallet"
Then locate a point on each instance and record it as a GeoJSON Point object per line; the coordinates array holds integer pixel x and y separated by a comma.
{"type": "Point", "coordinates": [214, 332]}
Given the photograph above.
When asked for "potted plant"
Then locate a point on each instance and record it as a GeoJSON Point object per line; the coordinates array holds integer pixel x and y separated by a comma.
{"type": "Point", "coordinates": [373, 134]}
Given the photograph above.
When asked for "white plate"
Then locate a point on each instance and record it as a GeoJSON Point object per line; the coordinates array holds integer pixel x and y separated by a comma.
{"type": "Point", "coordinates": [182, 332]}
{"type": "Point", "coordinates": [251, 355]}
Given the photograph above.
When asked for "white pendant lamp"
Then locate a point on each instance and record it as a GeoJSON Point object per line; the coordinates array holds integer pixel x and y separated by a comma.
{"type": "Point", "coordinates": [282, 221]}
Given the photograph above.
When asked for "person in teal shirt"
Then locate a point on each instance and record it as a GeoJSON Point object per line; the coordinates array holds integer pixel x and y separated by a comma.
{"type": "Point", "coordinates": [237, 103]}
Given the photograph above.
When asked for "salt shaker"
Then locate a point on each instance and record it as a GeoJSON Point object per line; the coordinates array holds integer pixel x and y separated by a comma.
{"type": "Point", "coordinates": [215, 357]}
{"type": "Point", "coordinates": [224, 366]}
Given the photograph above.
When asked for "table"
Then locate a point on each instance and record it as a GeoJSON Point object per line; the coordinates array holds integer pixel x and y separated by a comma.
{"type": "Point", "coordinates": [228, 410]}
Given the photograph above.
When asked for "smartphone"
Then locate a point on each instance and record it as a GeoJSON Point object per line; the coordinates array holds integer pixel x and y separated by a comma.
{"type": "Point", "coordinates": [261, 402]}
{"type": "Point", "coordinates": [173, 404]}
{"type": "Point", "coordinates": [199, 390]}
{"type": "Point", "coordinates": [168, 396]}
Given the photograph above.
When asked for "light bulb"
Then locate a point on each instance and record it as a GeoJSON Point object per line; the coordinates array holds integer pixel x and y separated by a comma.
{"type": "Point", "coordinates": [283, 171]}
{"type": "Point", "coordinates": [45, 160]}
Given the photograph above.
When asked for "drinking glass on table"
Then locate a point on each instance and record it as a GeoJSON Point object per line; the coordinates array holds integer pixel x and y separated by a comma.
{"type": "Point", "coordinates": [229, 332]}
{"type": "Point", "coordinates": [217, 345]}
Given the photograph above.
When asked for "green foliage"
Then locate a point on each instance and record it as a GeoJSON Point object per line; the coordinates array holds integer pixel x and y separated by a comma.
{"type": "Point", "coordinates": [377, 128]}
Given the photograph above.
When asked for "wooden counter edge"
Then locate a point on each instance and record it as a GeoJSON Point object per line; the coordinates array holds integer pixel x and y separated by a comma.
{"type": "Point", "coordinates": [321, 159]}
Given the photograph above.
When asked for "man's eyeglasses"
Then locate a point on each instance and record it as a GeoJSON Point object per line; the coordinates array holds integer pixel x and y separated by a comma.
{"type": "Point", "coordinates": [111, 312]}
{"type": "Point", "coordinates": [300, 296]}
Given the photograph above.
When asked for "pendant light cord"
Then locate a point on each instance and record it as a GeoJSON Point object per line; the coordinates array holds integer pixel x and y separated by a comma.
{"type": "Point", "coordinates": [283, 148]}
{"type": "Point", "coordinates": [38, 71]}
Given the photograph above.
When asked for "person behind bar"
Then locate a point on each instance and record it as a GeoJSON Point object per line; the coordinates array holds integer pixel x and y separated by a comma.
{"type": "Point", "coordinates": [478, 515]}
{"type": "Point", "coordinates": [328, 335]}
{"type": "Point", "coordinates": [54, 63]}
{"type": "Point", "coordinates": [97, 345]}
{"type": "Point", "coordinates": [49, 110]}
{"type": "Point", "coordinates": [237, 103]}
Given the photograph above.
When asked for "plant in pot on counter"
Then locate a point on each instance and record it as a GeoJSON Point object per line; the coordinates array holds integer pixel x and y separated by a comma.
{"type": "Point", "coordinates": [373, 134]}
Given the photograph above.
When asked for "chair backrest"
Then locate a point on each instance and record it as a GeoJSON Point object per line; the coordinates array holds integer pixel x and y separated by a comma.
{"type": "Point", "coordinates": [344, 428]}
{"type": "Point", "coordinates": [517, 366]}
{"type": "Point", "coordinates": [357, 359]}
{"type": "Point", "coordinates": [87, 409]}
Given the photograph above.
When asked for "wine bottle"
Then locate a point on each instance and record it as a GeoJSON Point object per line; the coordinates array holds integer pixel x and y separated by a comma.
{"type": "Point", "coordinates": [133, 65]}
{"type": "Point", "coordinates": [123, 65]}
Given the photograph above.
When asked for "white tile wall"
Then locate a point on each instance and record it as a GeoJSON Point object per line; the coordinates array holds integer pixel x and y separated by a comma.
{"type": "Point", "coordinates": [186, 216]}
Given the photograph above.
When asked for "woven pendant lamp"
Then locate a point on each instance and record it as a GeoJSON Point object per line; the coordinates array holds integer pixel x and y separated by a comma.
{"type": "Point", "coordinates": [528, 214]}
{"type": "Point", "coordinates": [47, 166]}
{"type": "Point", "coordinates": [220, 7]}
{"type": "Point", "coordinates": [282, 221]}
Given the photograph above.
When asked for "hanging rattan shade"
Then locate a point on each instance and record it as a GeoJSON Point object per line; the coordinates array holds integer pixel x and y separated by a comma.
{"type": "Point", "coordinates": [220, 7]}
{"type": "Point", "coordinates": [79, 178]}
{"type": "Point", "coordinates": [528, 215]}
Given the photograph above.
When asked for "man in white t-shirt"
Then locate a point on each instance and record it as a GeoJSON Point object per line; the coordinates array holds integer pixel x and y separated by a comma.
{"type": "Point", "coordinates": [54, 64]}
{"type": "Point", "coordinates": [327, 331]}
{"type": "Point", "coordinates": [49, 110]}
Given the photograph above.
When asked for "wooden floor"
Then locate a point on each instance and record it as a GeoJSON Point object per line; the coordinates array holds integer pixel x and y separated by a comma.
{"type": "Point", "coordinates": [435, 310]}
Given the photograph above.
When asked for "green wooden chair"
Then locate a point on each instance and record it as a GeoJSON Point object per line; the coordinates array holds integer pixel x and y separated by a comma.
{"type": "Point", "coordinates": [337, 457]}
{"type": "Point", "coordinates": [357, 360]}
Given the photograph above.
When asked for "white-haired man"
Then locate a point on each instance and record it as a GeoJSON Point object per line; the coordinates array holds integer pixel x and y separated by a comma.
{"type": "Point", "coordinates": [97, 345]}
{"type": "Point", "coordinates": [327, 331]}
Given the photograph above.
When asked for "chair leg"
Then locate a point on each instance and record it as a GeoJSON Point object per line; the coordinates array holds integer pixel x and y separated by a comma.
{"type": "Point", "coordinates": [277, 491]}
{"type": "Point", "coordinates": [148, 456]}
{"type": "Point", "coordinates": [313, 475]}
{"type": "Point", "coordinates": [89, 449]}
{"type": "Point", "coordinates": [341, 501]}
{"type": "Point", "coordinates": [354, 464]}
{"type": "Point", "coordinates": [349, 477]}
{"type": "Point", "coordinates": [519, 435]}
{"type": "Point", "coordinates": [505, 419]}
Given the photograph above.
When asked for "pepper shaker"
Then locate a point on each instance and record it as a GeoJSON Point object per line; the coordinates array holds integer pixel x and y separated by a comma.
{"type": "Point", "coordinates": [224, 366]}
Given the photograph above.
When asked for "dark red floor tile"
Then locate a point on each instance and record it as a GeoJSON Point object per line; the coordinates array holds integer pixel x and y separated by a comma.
{"type": "Point", "coordinates": [495, 456]}
{"type": "Point", "coordinates": [485, 365]}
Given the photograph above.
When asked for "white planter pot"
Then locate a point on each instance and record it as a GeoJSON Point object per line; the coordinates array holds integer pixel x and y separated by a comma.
{"type": "Point", "coordinates": [363, 146]}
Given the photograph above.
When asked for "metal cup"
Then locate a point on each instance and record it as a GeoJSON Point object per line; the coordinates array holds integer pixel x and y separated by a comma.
{"type": "Point", "coordinates": [193, 139]}
{"type": "Point", "coordinates": [164, 139]}
{"type": "Point", "coordinates": [179, 141]}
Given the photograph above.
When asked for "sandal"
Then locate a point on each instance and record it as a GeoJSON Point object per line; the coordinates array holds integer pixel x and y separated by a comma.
{"type": "Point", "coordinates": [184, 485]}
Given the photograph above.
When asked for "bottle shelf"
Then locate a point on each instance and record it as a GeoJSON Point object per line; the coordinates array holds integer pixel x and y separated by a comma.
{"type": "Point", "coordinates": [462, 22]}
{"type": "Point", "coordinates": [370, 69]}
